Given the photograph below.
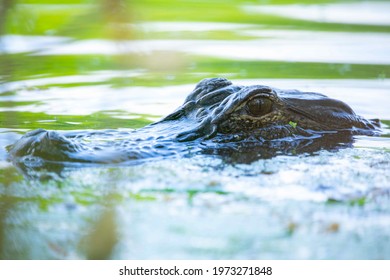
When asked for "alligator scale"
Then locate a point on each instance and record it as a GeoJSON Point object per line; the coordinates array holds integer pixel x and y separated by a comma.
{"type": "Point", "coordinates": [242, 122]}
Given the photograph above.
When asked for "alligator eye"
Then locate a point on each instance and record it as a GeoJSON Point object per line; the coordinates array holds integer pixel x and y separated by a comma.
{"type": "Point", "coordinates": [259, 106]}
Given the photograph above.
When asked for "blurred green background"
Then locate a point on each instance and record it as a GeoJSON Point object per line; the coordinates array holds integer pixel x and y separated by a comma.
{"type": "Point", "coordinates": [120, 20]}
{"type": "Point", "coordinates": [159, 53]}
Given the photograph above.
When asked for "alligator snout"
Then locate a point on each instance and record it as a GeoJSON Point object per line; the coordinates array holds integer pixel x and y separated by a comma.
{"type": "Point", "coordinates": [31, 143]}
{"type": "Point", "coordinates": [44, 144]}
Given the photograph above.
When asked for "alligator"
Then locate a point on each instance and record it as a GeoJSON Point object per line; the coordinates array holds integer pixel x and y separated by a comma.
{"type": "Point", "coordinates": [243, 123]}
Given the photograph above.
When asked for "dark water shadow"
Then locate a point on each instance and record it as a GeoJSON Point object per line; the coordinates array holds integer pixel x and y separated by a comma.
{"type": "Point", "coordinates": [245, 152]}
{"type": "Point", "coordinates": [248, 153]}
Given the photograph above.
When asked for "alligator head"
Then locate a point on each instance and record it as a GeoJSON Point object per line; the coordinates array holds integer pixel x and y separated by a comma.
{"type": "Point", "coordinates": [219, 118]}
{"type": "Point", "coordinates": [218, 108]}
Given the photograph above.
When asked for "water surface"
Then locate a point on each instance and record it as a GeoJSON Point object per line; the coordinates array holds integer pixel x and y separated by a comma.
{"type": "Point", "coordinates": [128, 71]}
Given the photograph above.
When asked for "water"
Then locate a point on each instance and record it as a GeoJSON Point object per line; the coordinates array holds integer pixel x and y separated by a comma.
{"type": "Point", "coordinates": [128, 71]}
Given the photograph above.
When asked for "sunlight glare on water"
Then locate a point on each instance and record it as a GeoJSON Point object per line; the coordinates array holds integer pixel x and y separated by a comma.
{"type": "Point", "coordinates": [302, 46]}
